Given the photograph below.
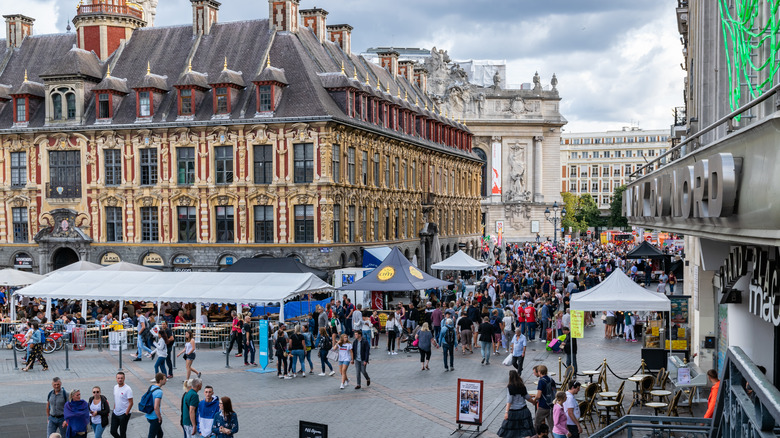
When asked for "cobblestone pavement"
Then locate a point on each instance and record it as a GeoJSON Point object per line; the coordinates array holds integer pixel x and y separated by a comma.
{"type": "Point", "coordinates": [401, 400]}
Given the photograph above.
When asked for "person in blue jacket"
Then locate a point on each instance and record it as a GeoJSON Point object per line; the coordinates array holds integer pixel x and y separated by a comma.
{"type": "Point", "coordinates": [207, 410]}
{"type": "Point", "coordinates": [226, 420]}
{"type": "Point", "coordinates": [448, 348]}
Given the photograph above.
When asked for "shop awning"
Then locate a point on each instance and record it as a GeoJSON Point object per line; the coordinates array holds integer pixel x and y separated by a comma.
{"type": "Point", "coordinates": [460, 261]}
{"type": "Point", "coordinates": [179, 287]}
{"type": "Point", "coordinates": [645, 251]}
{"type": "Point", "coordinates": [618, 292]}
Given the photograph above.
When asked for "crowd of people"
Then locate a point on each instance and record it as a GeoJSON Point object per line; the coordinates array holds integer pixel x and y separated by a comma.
{"type": "Point", "coordinates": [70, 415]}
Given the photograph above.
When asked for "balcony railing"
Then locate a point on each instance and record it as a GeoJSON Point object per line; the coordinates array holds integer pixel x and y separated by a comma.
{"type": "Point", "coordinates": [102, 8]}
{"type": "Point", "coordinates": [60, 192]}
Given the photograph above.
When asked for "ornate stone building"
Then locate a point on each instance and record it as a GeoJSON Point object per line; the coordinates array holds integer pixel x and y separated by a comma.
{"type": "Point", "coordinates": [189, 147]}
{"type": "Point", "coordinates": [516, 134]}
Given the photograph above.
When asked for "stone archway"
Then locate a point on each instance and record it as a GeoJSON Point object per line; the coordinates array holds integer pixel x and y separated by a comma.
{"type": "Point", "coordinates": [63, 257]}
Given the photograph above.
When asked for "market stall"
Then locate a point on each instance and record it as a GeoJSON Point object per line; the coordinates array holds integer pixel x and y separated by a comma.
{"type": "Point", "coordinates": [15, 278]}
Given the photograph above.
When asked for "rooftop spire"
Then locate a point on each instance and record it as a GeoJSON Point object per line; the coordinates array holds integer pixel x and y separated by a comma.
{"type": "Point", "coordinates": [224, 66]}
{"type": "Point", "coordinates": [189, 66]}
{"type": "Point", "coordinates": [108, 71]}
{"type": "Point", "coordinates": [267, 61]}
{"type": "Point", "coordinates": [354, 76]}
{"type": "Point", "coordinates": [342, 68]}
{"type": "Point", "coordinates": [148, 67]}
{"type": "Point", "coordinates": [25, 75]}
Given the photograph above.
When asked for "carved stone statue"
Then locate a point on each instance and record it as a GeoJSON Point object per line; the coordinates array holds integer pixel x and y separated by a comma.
{"type": "Point", "coordinates": [496, 80]}
{"type": "Point", "coordinates": [537, 82]}
{"type": "Point", "coordinates": [150, 11]}
{"type": "Point", "coordinates": [517, 190]}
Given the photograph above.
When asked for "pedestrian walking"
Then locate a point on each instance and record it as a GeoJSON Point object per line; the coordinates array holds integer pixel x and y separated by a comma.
{"type": "Point", "coordinates": [308, 345]}
{"type": "Point", "coordinates": [559, 416]}
{"type": "Point", "coordinates": [393, 329]}
{"type": "Point", "coordinates": [345, 357]}
{"type": "Point", "coordinates": [448, 340]}
{"type": "Point", "coordinates": [235, 334]}
{"type": "Point", "coordinates": [208, 408]}
{"type": "Point", "coordinates": [162, 355]}
{"type": "Point", "coordinates": [566, 344]}
{"type": "Point", "coordinates": [167, 334]}
{"type": "Point", "coordinates": [465, 325]}
{"type": "Point", "coordinates": [280, 347]}
{"type": "Point", "coordinates": [424, 340]}
{"type": "Point", "coordinates": [123, 403]}
{"type": "Point", "coordinates": [485, 332]}
{"type": "Point", "coordinates": [154, 418]}
{"type": "Point", "coordinates": [189, 354]}
{"type": "Point", "coordinates": [36, 348]}
{"type": "Point", "coordinates": [361, 349]}
{"type": "Point", "coordinates": [144, 333]}
{"type": "Point", "coordinates": [375, 326]}
{"type": "Point", "coordinates": [226, 421]}
{"type": "Point", "coordinates": [325, 343]}
{"type": "Point", "coordinates": [76, 416]}
{"type": "Point", "coordinates": [98, 411]}
{"type": "Point", "coordinates": [55, 407]}
{"type": "Point", "coordinates": [247, 334]}
{"type": "Point", "coordinates": [545, 397]}
{"type": "Point", "coordinates": [296, 347]}
{"type": "Point", "coordinates": [518, 344]}
{"type": "Point", "coordinates": [572, 408]}
{"type": "Point", "coordinates": [517, 417]}
{"type": "Point", "coordinates": [189, 407]}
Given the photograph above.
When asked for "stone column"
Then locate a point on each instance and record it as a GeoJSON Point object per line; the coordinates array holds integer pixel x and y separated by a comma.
{"type": "Point", "coordinates": [538, 196]}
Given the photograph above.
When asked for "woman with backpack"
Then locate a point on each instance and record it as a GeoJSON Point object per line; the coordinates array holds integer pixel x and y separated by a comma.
{"type": "Point", "coordinates": [517, 417]}
{"type": "Point", "coordinates": [393, 328]}
{"type": "Point", "coordinates": [325, 343]}
{"type": "Point", "coordinates": [36, 341]}
{"type": "Point", "coordinates": [308, 347]}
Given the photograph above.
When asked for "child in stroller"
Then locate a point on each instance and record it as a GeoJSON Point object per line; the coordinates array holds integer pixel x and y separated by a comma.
{"type": "Point", "coordinates": [409, 339]}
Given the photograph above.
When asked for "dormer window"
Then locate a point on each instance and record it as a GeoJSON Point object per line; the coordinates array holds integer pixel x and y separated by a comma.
{"type": "Point", "coordinates": [144, 104]}
{"type": "Point", "coordinates": [104, 106]}
{"type": "Point", "coordinates": [265, 98]}
{"type": "Point", "coordinates": [222, 99]}
{"type": "Point", "coordinates": [20, 113]}
{"type": "Point", "coordinates": [185, 102]}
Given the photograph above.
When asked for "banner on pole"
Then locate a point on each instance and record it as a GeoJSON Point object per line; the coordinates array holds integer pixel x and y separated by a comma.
{"type": "Point", "coordinates": [577, 324]}
{"type": "Point", "coordinates": [262, 346]}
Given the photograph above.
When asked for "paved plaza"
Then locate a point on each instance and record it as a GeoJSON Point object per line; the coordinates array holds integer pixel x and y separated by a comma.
{"type": "Point", "coordinates": [401, 399]}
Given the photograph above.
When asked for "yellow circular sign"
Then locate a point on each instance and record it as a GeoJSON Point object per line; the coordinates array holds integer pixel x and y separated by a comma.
{"type": "Point", "coordinates": [386, 273]}
{"type": "Point", "coordinates": [416, 272]}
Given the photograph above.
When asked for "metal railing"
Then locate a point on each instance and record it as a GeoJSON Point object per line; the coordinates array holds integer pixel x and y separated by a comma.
{"type": "Point", "coordinates": [748, 404]}
{"type": "Point", "coordinates": [674, 152]}
{"type": "Point", "coordinates": [102, 8]}
{"type": "Point", "coordinates": [655, 426]}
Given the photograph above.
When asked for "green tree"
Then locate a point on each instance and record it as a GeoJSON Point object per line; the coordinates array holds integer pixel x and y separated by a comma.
{"type": "Point", "coordinates": [590, 213]}
{"type": "Point", "coordinates": [616, 218]}
{"type": "Point", "coordinates": [572, 219]}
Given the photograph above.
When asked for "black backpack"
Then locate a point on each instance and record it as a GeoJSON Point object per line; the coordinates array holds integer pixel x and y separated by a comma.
{"type": "Point", "coordinates": [326, 343]}
{"type": "Point", "coordinates": [549, 392]}
{"type": "Point", "coordinates": [449, 336]}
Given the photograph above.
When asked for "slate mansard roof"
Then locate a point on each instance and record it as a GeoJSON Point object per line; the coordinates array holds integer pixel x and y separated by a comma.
{"type": "Point", "coordinates": [306, 68]}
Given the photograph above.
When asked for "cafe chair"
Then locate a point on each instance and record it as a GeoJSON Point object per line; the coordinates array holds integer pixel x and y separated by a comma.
{"type": "Point", "coordinates": [661, 379]}
{"type": "Point", "coordinates": [687, 403]}
{"type": "Point", "coordinates": [672, 411]}
{"type": "Point", "coordinates": [644, 389]}
{"type": "Point", "coordinates": [587, 414]}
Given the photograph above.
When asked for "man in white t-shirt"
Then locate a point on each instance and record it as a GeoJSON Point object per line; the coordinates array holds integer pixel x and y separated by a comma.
{"type": "Point", "coordinates": [357, 318]}
{"type": "Point", "coordinates": [572, 409]}
{"type": "Point", "coordinates": [123, 404]}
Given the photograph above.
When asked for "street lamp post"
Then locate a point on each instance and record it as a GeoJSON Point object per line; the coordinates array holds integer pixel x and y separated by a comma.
{"type": "Point", "coordinates": [554, 219]}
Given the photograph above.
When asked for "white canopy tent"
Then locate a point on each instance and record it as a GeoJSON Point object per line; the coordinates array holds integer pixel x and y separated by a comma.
{"type": "Point", "coordinates": [460, 261]}
{"type": "Point", "coordinates": [128, 267]}
{"type": "Point", "coordinates": [618, 292]}
{"type": "Point", "coordinates": [14, 277]}
{"type": "Point", "coordinates": [180, 287]}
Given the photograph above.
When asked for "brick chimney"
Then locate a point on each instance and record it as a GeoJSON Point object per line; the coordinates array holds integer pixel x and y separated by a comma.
{"type": "Point", "coordinates": [204, 15]}
{"type": "Point", "coordinates": [284, 14]}
{"type": "Point", "coordinates": [389, 61]}
{"type": "Point", "coordinates": [17, 27]}
{"type": "Point", "coordinates": [341, 34]}
{"type": "Point", "coordinates": [421, 77]}
{"type": "Point", "coordinates": [406, 69]}
{"type": "Point", "coordinates": [315, 20]}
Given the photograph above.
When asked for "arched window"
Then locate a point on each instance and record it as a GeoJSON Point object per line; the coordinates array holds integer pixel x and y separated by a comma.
{"type": "Point", "coordinates": [56, 103]}
{"type": "Point", "coordinates": [481, 154]}
{"type": "Point", "coordinates": [70, 99]}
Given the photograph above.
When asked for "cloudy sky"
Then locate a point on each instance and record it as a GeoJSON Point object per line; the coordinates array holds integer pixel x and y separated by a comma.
{"type": "Point", "coordinates": [617, 61]}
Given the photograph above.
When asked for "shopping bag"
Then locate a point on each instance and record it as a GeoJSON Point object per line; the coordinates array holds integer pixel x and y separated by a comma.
{"type": "Point", "coordinates": [333, 355]}
{"type": "Point", "coordinates": [549, 334]}
{"type": "Point", "coordinates": [554, 345]}
{"type": "Point", "coordinates": [508, 360]}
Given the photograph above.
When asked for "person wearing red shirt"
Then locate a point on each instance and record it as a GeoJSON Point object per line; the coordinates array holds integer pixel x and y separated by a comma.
{"type": "Point", "coordinates": [530, 321]}
{"type": "Point", "coordinates": [520, 312]}
{"type": "Point", "coordinates": [712, 400]}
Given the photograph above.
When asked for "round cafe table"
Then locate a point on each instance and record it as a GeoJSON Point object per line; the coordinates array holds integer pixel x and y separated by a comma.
{"type": "Point", "coordinates": [637, 378]}
{"type": "Point", "coordinates": [661, 394]}
{"type": "Point", "coordinates": [608, 394]}
{"type": "Point", "coordinates": [590, 374]}
{"type": "Point", "coordinates": [657, 406]}
{"type": "Point", "coordinates": [608, 405]}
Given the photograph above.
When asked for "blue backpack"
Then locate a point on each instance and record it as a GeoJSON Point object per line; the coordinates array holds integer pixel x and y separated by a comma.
{"type": "Point", "coordinates": [146, 405]}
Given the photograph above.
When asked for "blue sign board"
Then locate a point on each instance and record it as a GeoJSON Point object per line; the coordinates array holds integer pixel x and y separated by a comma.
{"type": "Point", "coordinates": [262, 347]}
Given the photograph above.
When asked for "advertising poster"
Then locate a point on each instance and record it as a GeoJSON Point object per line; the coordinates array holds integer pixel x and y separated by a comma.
{"type": "Point", "coordinates": [262, 346]}
{"type": "Point", "coordinates": [496, 160]}
{"type": "Point", "coordinates": [578, 324]}
{"type": "Point", "coordinates": [469, 402]}
{"type": "Point", "coordinates": [679, 309]}
{"type": "Point", "coordinates": [376, 300]}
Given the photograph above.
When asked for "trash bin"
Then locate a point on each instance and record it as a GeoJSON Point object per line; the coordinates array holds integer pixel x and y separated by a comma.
{"type": "Point", "coordinates": [79, 338]}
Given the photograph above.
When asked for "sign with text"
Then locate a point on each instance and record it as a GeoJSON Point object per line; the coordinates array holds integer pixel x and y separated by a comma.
{"type": "Point", "coordinates": [262, 345]}
{"type": "Point", "coordinates": [312, 430]}
{"type": "Point", "coordinates": [469, 402]}
{"type": "Point", "coordinates": [578, 324]}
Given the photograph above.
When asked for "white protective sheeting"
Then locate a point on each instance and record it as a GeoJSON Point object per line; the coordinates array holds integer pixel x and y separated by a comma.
{"type": "Point", "coordinates": [15, 277]}
{"type": "Point", "coordinates": [460, 261]}
{"type": "Point", "coordinates": [618, 292]}
{"type": "Point", "coordinates": [179, 287]}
